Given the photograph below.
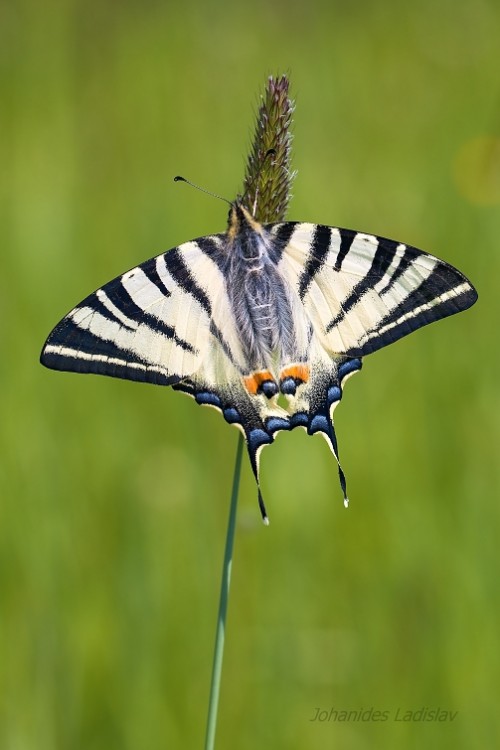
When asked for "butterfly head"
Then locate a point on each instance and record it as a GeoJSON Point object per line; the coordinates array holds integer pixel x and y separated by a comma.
{"type": "Point", "coordinates": [241, 221]}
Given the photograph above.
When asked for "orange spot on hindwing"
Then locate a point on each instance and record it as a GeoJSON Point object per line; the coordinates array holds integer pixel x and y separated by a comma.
{"type": "Point", "coordinates": [297, 372]}
{"type": "Point", "coordinates": [261, 382]}
{"type": "Point", "coordinates": [293, 376]}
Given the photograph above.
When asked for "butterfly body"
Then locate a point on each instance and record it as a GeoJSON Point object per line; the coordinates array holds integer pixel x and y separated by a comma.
{"type": "Point", "coordinates": [263, 322]}
{"type": "Point", "coordinates": [259, 296]}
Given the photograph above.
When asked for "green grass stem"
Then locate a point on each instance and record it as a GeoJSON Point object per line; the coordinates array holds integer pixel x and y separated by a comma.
{"type": "Point", "coordinates": [220, 634]}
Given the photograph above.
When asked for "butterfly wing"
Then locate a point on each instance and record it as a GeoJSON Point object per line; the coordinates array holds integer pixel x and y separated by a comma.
{"type": "Point", "coordinates": [169, 321]}
{"type": "Point", "coordinates": [153, 323]}
{"type": "Point", "coordinates": [364, 292]}
{"type": "Point", "coordinates": [358, 293]}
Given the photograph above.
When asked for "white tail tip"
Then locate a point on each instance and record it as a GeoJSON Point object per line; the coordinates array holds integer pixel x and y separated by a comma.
{"type": "Point", "coordinates": [346, 502]}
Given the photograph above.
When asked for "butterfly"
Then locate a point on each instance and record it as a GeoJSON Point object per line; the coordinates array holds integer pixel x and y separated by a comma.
{"type": "Point", "coordinates": [264, 322]}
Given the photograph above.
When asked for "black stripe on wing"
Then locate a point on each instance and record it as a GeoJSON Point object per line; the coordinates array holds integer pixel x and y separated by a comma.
{"type": "Point", "coordinates": [320, 247]}
{"type": "Point", "coordinates": [95, 302]}
{"type": "Point", "coordinates": [71, 348]}
{"type": "Point", "coordinates": [181, 274]}
{"type": "Point", "coordinates": [122, 300]}
{"type": "Point", "coordinates": [346, 239]}
{"type": "Point", "coordinates": [281, 234]}
{"type": "Point", "coordinates": [150, 270]}
{"type": "Point", "coordinates": [116, 323]}
{"type": "Point", "coordinates": [382, 259]}
{"type": "Point", "coordinates": [213, 246]}
{"type": "Point", "coordinates": [409, 255]}
{"type": "Point", "coordinates": [444, 292]}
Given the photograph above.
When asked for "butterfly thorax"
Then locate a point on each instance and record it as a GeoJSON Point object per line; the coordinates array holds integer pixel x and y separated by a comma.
{"type": "Point", "coordinates": [260, 301]}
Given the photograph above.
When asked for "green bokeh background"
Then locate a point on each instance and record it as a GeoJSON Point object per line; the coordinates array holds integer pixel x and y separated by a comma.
{"type": "Point", "coordinates": [115, 495]}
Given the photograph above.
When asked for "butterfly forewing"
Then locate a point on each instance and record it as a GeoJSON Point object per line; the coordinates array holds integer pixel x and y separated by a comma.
{"type": "Point", "coordinates": [363, 292]}
{"type": "Point", "coordinates": [148, 324]}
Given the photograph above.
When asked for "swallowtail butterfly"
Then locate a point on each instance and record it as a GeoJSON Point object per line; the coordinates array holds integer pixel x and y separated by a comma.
{"type": "Point", "coordinates": [263, 322]}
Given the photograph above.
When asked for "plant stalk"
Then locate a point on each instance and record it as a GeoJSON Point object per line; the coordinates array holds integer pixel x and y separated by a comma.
{"type": "Point", "coordinates": [266, 190]}
{"type": "Point", "coordinates": [220, 632]}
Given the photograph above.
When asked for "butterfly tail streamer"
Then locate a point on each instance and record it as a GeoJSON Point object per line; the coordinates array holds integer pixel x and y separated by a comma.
{"type": "Point", "coordinates": [324, 425]}
{"type": "Point", "coordinates": [324, 395]}
{"type": "Point", "coordinates": [262, 507]}
{"type": "Point", "coordinates": [335, 449]}
{"type": "Point", "coordinates": [256, 440]}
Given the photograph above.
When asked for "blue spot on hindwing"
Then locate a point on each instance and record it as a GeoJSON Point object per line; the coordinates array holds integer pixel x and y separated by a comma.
{"type": "Point", "coordinates": [258, 437]}
{"type": "Point", "coordinates": [334, 394]}
{"type": "Point", "coordinates": [231, 415]}
{"type": "Point", "coordinates": [269, 388]}
{"type": "Point", "coordinates": [300, 419]}
{"type": "Point", "coordinates": [352, 365]}
{"type": "Point", "coordinates": [319, 423]}
{"type": "Point", "coordinates": [205, 397]}
{"type": "Point", "coordinates": [274, 424]}
{"type": "Point", "coordinates": [288, 386]}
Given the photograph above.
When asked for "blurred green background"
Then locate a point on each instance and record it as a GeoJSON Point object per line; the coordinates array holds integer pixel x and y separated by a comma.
{"type": "Point", "coordinates": [115, 495]}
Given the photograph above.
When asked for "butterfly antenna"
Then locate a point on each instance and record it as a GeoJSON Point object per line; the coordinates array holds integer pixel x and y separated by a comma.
{"type": "Point", "coordinates": [178, 178]}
